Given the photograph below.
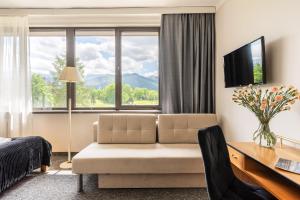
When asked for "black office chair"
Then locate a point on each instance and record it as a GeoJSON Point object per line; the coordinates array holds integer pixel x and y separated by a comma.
{"type": "Point", "coordinates": [221, 182]}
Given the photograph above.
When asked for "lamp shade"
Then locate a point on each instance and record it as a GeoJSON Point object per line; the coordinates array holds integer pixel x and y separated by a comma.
{"type": "Point", "coordinates": [70, 74]}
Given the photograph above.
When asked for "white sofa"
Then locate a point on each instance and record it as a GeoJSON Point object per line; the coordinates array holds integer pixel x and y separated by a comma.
{"type": "Point", "coordinates": [128, 153]}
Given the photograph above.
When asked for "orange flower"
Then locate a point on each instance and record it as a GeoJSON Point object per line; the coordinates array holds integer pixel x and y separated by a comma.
{"type": "Point", "coordinates": [278, 97]}
{"type": "Point", "coordinates": [263, 106]}
{"type": "Point", "coordinates": [274, 89]}
{"type": "Point", "coordinates": [264, 101]}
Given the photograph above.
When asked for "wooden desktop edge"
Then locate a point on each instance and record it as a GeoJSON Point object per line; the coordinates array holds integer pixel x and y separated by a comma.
{"type": "Point", "coordinates": [272, 169]}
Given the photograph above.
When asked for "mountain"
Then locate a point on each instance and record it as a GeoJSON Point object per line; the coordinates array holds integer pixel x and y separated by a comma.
{"type": "Point", "coordinates": [135, 80]}
{"type": "Point", "coordinates": [99, 81]}
{"type": "Point", "coordinates": [153, 77]}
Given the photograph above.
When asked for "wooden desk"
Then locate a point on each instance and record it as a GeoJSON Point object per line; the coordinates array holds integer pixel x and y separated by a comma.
{"type": "Point", "coordinates": [256, 164]}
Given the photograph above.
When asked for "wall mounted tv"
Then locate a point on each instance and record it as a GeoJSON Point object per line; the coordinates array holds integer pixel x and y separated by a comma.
{"type": "Point", "coordinates": [246, 65]}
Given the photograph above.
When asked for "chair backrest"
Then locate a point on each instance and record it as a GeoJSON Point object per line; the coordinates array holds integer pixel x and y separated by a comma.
{"type": "Point", "coordinates": [218, 171]}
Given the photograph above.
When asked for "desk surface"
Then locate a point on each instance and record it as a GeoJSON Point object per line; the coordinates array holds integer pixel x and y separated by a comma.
{"type": "Point", "coordinates": [268, 157]}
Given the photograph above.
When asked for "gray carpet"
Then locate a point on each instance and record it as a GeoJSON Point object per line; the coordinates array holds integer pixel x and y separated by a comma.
{"type": "Point", "coordinates": [60, 184]}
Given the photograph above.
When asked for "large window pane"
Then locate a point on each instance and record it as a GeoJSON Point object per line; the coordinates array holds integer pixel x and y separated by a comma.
{"type": "Point", "coordinates": [139, 68]}
{"type": "Point", "coordinates": [47, 59]}
{"type": "Point", "coordinates": [95, 57]}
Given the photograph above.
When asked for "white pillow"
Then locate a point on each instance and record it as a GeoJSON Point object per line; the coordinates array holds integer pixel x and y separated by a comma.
{"type": "Point", "coordinates": [3, 140]}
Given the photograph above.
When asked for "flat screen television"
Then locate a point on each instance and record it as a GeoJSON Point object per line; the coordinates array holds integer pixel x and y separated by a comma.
{"type": "Point", "coordinates": [246, 65]}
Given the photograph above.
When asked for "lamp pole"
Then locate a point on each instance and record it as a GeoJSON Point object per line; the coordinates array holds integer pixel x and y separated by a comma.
{"type": "Point", "coordinates": [69, 75]}
{"type": "Point", "coordinates": [70, 130]}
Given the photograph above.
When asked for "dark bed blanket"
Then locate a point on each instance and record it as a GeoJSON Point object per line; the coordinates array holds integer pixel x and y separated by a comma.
{"type": "Point", "coordinates": [20, 157]}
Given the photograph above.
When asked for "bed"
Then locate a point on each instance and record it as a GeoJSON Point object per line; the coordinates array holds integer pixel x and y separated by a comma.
{"type": "Point", "coordinates": [20, 156]}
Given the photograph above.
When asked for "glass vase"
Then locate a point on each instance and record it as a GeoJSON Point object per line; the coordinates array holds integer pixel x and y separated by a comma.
{"type": "Point", "coordinates": [263, 136]}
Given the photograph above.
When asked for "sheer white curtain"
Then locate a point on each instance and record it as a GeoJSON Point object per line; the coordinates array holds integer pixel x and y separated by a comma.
{"type": "Point", "coordinates": [15, 77]}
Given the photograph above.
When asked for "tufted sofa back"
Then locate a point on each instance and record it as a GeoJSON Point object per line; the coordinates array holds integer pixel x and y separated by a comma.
{"type": "Point", "coordinates": [126, 128]}
{"type": "Point", "coordinates": [183, 128]}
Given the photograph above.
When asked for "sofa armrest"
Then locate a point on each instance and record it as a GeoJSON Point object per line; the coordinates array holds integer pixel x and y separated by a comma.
{"type": "Point", "coordinates": [95, 131]}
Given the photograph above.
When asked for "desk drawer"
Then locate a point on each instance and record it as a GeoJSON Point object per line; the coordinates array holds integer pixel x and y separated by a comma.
{"type": "Point", "coordinates": [236, 158]}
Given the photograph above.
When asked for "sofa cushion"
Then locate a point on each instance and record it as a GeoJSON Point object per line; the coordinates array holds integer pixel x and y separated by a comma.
{"type": "Point", "coordinates": [126, 128]}
{"type": "Point", "coordinates": [183, 128]}
{"type": "Point", "coordinates": [138, 159]}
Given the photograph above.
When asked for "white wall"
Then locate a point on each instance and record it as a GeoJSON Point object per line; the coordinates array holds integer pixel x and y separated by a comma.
{"type": "Point", "coordinates": [241, 21]}
{"type": "Point", "coordinates": [54, 128]}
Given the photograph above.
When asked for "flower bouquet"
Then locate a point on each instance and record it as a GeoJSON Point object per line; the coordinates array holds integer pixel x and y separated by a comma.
{"type": "Point", "coordinates": [266, 104]}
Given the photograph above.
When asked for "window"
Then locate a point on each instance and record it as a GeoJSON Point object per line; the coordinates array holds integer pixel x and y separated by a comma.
{"type": "Point", "coordinates": [139, 68]}
{"type": "Point", "coordinates": [95, 57]}
{"type": "Point", "coordinates": [47, 58]}
{"type": "Point", "coordinates": [119, 67]}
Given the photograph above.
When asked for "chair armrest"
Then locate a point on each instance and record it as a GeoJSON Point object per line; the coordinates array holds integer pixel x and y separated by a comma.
{"type": "Point", "coordinates": [95, 131]}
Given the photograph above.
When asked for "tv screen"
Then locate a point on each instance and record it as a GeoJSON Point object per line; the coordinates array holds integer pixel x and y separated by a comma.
{"type": "Point", "coordinates": [246, 65]}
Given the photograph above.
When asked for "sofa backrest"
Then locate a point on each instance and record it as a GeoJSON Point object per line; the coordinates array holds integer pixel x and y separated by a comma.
{"type": "Point", "coordinates": [126, 128]}
{"type": "Point", "coordinates": [183, 128]}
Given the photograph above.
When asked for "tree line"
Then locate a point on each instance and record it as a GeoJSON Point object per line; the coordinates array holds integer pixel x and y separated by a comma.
{"type": "Point", "coordinates": [52, 93]}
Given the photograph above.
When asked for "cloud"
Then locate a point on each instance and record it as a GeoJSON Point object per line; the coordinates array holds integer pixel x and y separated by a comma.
{"type": "Point", "coordinates": [153, 73]}
{"type": "Point", "coordinates": [96, 55]}
{"type": "Point", "coordinates": [97, 59]}
{"type": "Point", "coordinates": [107, 46]}
{"type": "Point", "coordinates": [99, 66]}
{"type": "Point", "coordinates": [140, 49]}
{"type": "Point", "coordinates": [43, 51]}
{"type": "Point", "coordinates": [130, 65]}
{"type": "Point", "coordinates": [87, 51]}
{"type": "Point", "coordinates": [100, 58]}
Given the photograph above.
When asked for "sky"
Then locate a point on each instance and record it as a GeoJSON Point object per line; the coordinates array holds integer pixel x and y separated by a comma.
{"type": "Point", "coordinates": [139, 54]}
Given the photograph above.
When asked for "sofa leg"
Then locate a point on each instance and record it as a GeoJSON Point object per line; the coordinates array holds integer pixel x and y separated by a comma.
{"type": "Point", "coordinates": [80, 183]}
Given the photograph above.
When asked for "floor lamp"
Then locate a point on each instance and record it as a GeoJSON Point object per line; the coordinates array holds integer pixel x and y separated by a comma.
{"type": "Point", "coordinates": [69, 75]}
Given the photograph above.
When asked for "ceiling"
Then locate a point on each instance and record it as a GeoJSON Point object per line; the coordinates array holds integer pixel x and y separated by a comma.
{"type": "Point", "coordinates": [104, 3]}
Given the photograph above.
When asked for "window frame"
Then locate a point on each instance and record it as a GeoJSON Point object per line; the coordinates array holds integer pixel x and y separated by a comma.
{"type": "Point", "coordinates": [51, 29]}
{"type": "Point", "coordinates": [70, 61]}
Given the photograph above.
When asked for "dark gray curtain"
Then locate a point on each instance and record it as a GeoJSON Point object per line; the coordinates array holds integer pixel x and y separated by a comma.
{"type": "Point", "coordinates": [187, 62]}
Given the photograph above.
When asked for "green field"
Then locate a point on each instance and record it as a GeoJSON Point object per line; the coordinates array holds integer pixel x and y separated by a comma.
{"type": "Point", "coordinates": [49, 94]}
